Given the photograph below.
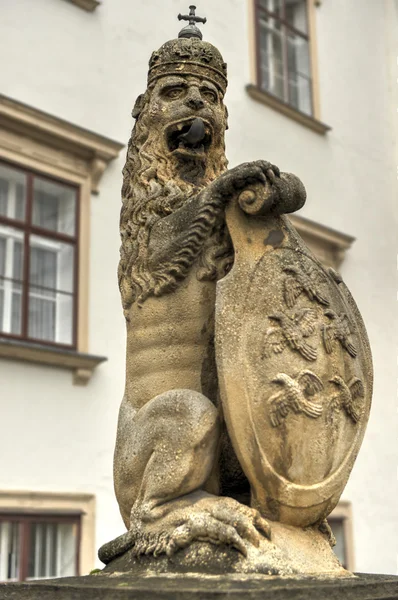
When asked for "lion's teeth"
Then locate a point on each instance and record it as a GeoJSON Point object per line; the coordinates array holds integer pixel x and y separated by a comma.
{"type": "Point", "coordinates": [179, 126]}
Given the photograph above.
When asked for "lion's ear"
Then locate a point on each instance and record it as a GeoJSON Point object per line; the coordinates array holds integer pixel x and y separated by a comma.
{"type": "Point", "coordinates": [138, 106]}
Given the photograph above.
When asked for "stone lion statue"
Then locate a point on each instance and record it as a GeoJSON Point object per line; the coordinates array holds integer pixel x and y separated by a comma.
{"type": "Point", "coordinates": [178, 477]}
{"type": "Point", "coordinates": [173, 460]}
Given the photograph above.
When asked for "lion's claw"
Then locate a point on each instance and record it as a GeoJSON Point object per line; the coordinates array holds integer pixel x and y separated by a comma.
{"type": "Point", "coordinates": [205, 528]}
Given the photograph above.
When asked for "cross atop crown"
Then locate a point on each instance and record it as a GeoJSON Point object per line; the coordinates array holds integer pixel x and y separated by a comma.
{"type": "Point", "coordinates": [191, 31]}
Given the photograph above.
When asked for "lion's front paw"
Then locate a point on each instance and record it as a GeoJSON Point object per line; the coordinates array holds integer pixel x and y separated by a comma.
{"type": "Point", "coordinates": [236, 179]}
{"type": "Point", "coordinates": [220, 521]}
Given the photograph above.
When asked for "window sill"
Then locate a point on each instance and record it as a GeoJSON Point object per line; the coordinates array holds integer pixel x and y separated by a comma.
{"type": "Point", "coordinates": [81, 364]}
{"type": "Point", "coordinates": [281, 107]}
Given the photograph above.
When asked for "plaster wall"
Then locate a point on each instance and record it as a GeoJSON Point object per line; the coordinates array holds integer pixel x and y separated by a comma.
{"type": "Point", "coordinates": [88, 68]}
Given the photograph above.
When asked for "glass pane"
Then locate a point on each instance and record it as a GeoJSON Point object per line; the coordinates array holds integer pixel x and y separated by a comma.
{"type": "Point", "coordinates": [9, 551]}
{"type": "Point", "coordinates": [299, 73]}
{"type": "Point", "coordinates": [51, 264]}
{"type": "Point", "coordinates": [300, 93]}
{"type": "Point", "coordinates": [298, 56]}
{"type": "Point", "coordinates": [42, 314]}
{"type": "Point", "coordinates": [296, 14]}
{"type": "Point", "coordinates": [53, 549]}
{"type": "Point", "coordinates": [274, 6]}
{"type": "Point", "coordinates": [54, 206]}
{"type": "Point", "coordinates": [271, 57]}
{"type": "Point", "coordinates": [50, 315]}
{"type": "Point", "coordinates": [11, 274]}
{"type": "Point", "coordinates": [66, 550]}
{"type": "Point", "coordinates": [12, 193]}
{"type": "Point", "coordinates": [338, 530]}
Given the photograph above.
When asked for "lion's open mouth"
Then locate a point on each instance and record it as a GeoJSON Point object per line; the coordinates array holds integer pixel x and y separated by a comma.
{"type": "Point", "coordinates": [191, 137]}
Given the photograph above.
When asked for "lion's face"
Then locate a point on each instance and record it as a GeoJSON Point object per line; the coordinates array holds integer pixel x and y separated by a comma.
{"type": "Point", "coordinates": [175, 103]}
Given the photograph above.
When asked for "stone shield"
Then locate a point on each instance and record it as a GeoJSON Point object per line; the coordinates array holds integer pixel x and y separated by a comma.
{"type": "Point", "coordinates": [294, 367]}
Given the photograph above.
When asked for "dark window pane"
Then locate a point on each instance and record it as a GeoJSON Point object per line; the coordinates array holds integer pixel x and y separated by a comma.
{"type": "Point", "coordinates": [17, 260]}
{"type": "Point", "coordinates": [298, 55]}
{"type": "Point", "coordinates": [16, 312]}
{"type": "Point", "coordinates": [300, 93]}
{"type": "Point", "coordinates": [3, 254]}
{"type": "Point", "coordinates": [42, 309]}
{"type": "Point", "coordinates": [9, 551]}
{"type": "Point", "coordinates": [11, 270]}
{"type": "Point", "coordinates": [271, 57]}
{"type": "Point", "coordinates": [299, 80]}
{"type": "Point", "coordinates": [54, 206]}
{"type": "Point", "coordinates": [296, 14]}
{"type": "Point", "coordinates": [12, 193]}
{"type": "Point", "coordinates": [50, 315]}
{"type": "Point", "coordinates": [45, 210]}
{"type": "Point", "coordinates": [3, 197]}
{"type": "Point", "coordinates": [51, 264]}
{"type": "Point", "coordinates": [20, 201]}
{"type": "Point", "coordinates": [43, 267]}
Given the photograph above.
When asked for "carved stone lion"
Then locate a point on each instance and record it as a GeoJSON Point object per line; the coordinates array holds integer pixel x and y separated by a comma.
{"type": "Point", "coordinates": [177, 478]}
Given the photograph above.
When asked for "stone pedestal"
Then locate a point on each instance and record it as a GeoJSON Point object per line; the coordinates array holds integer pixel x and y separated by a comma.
{"type": "Point", "coordinates": [203, 587]}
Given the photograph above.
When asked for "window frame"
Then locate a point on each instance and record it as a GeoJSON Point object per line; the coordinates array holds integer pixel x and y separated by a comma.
{"type": "Point", "coordinates": [28, 228]}
{"type": "Point", "coordinates": [260, 10]}
{"type": "Point", "coordinates": [25, 521]}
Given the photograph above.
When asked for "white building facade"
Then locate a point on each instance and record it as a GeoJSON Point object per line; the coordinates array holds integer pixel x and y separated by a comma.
{"type": "Point", "coordinates": [312, 88]}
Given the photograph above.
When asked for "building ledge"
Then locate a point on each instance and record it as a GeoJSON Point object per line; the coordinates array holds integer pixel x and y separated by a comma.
{"type": "Point", "coordinates": [93, 150]}
{"type": "Point", "coordinates": [81, 364]}
{"type": "Point", "coordinates": [287, 110]}
{"type": "Point", "coordinates": [89, 5]}
{"type": "Point", "coordinates": [328, 245]}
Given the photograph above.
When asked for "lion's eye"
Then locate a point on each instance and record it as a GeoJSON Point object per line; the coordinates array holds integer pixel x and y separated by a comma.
{"type": "Point", "coordinates": [209, 95]}
{"type": "Point", "coordinates": [173, 93]}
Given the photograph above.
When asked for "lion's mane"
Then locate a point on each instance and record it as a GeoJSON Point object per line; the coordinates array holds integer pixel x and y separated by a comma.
{"type": "Point", "coordinates": [151, 191]}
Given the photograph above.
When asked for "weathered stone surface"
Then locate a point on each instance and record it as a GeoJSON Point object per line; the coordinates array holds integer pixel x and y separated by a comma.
{"type": "Point", "coordinates": [181, 587]}
{"type": "Point", "coordinates": [292, 551]}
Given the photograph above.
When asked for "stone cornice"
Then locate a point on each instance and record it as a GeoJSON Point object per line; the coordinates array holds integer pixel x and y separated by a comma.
{"type": "Point", "coordinates": [326, 243]}
{"type": "Point", "coordinates": [80, 363]}
{"type": "Point", "coordinates": [91, 150]}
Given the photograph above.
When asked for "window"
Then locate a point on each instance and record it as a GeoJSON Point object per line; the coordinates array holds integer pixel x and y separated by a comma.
{"type": "Point", "coordinates": [38, 257]}
{"type": "Point", "coordinates": [340, 522]}
{"type": "Point", "coordinates": [283, 52]}
{"type": "Point", "coordinates": [38, 546]}
{"type": "Point", "coordinates": [46, 534]}
{"type": "Point", "coordinates": [49, 170]}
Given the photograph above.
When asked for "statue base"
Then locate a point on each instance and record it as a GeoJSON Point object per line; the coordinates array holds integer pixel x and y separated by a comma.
{"type": "Point", "coordinates": [291, 551]}
{"type": "Point", "coordinates": [168, 587]}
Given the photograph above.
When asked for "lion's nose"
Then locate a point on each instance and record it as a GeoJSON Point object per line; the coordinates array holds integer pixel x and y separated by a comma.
{"type": "Point", "coordinates": [194, 101]}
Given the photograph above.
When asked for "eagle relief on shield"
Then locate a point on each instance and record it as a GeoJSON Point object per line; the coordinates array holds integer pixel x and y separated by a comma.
{"type": "Point", "coordinates": [294, 365]}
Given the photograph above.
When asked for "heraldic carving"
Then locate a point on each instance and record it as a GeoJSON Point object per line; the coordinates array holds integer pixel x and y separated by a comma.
{"type": "Point", "coordinates": [248, 371]}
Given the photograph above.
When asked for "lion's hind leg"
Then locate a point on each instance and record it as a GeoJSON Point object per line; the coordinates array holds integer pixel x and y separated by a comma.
{"type": "Point", "coordinates": [160, 473]}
